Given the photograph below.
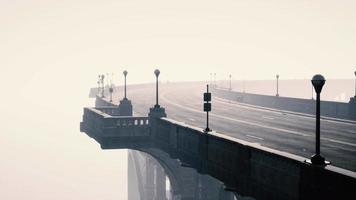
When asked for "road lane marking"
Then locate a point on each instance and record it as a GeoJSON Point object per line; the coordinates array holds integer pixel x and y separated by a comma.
{"type": "Point", "coordinates": [267, 117]}
{"type": "Point", "coordinates": [338, 141]}
{"type": "Point", "coordinates": [255, 124]}
{"type": "Point", "coordinates": [235, 120]}
{"type": "Point", "coordinates": [255, 137]}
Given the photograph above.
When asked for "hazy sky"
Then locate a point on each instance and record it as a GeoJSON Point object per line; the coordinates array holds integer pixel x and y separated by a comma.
{"type": "Point", "coordinates": [52, 51]}
{"type": "Point", "coordinates": [56, 42]}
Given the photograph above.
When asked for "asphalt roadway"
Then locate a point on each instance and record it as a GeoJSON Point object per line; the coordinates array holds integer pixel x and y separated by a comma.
{"type": "Point", "coordinates": [274, 129]}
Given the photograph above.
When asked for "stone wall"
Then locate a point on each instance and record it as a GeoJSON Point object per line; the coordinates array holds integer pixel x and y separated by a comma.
{"type": "Point", "coordinates": [251, 169]}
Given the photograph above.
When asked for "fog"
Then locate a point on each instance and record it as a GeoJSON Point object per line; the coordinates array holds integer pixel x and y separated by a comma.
{"type": "Point", "coordinates": [52, 51]}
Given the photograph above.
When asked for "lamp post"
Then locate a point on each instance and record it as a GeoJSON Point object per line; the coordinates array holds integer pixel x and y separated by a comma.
{"type": "Point", "coordinates": [98, 82]}
{"type": "Point", "coordinates": [277, 77]}
{"type": "Point", "coordinates": [125, 74]}
{"type": "Point", "coordinates": [318, 82]}
{"type": "Point", "coordinates": [355, 83]}
{"type": "Point", "coordinates": [230, 83]}
{"type": "Point", "coordinates": [157, 72]}
{"type": "Point", "coordinates": [111, 90]}
{"type": "Point", "coordinates": [102, 86]}
{"type": "Point", "coordinates": [243, 86]}
{"type": "Point", "coordinates": [214, 79]}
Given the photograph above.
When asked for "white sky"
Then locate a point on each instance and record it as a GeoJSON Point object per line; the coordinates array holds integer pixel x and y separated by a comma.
{"type": "Point", "coordinates": [67, 43]}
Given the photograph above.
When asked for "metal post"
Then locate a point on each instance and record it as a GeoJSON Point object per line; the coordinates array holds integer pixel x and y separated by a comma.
{"type": "Point", "coordinates": [317, 130]}
{"type": "Point", "coordinates": [207, 107]}
{"type": "Point", "coordinates": [230, 82]}
{"type": "Point", "coordinates": [318, 82]}
{"type": "Point", "coordinates": [157, 90]}
{"type": "Point", "coordinates": [98, 87]}
{"type": "Point", "coordinates": [125, 87]}
{"type": "Point", "coordinates": [243, 86]}
{"type": "Point", "coordinates": [207, 113]}
{"type": "Point", "coordinates": [277, 76]}
{"type": "Point", "coordinates": [214, 79]}
{"type": "Point", "coordinates": [125, 74]}
{"type": "Point", "coordinates": [102, 85]}
{"type": "Point", "coordinates": [355, 84]}
{"type": "Point", "coordinates": [157, 72]}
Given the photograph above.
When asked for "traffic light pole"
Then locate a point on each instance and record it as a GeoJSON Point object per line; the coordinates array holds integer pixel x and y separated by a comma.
{"type": "Point", "coordinates": [207, 107]}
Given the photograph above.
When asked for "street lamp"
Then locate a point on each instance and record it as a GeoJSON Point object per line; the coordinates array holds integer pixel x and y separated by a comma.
{"type": "Point", "coordinates": [355, 84]}
{"type": "Point", "coordinates": [214, 79]}
{"type": "Point", "coordinates": [230, 83]}
{"type": "Point", "coordinates": [111, 90]}
{"type": "Point", "coordinates": [98, 82]}
{"type": "Point", "coordinates": [243, 85]}
{"type": "Point", "coordinates": [102, 86]}
{"type": "Point", "coordinates": [157, 72]}
{"type": "Point", "coordinates": [125, 74]}
{"type": "Point", "coordinates": [318, 82]}
{"type": "Point", "coordinates": [277, 77]}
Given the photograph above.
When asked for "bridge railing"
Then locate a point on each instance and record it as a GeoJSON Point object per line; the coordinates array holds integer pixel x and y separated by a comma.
{"type": "Point", "coordinates": [111, 110]}
{"type": "Point", "coordinates": [102, 123]}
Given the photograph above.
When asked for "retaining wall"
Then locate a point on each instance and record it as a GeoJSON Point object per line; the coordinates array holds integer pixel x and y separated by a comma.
{"type": "Point", "coordinates": [251, 169]}
{"type": "Point", "coordinates": [307, 106]}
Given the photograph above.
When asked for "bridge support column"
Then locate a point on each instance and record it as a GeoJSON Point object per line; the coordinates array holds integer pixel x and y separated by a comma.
{"type": "Point", "coordinates": [160, 183]}
{"type": "Point", "coordinates": [155, 114]}
{"type": "Point", "coordinates": [125, 108]}
{"type": "Point", "coordinates": [149, 180]}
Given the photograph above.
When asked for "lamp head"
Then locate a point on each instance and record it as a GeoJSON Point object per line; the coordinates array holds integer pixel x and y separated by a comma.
{"type": "Point", "coordinates": [157, 72]}
{"type": "Point", "coordinates": [318, 82]}
{"type": "Point", "coordinates": [277, 76]}
{"type": "Point", "coordinates": [125, 73]}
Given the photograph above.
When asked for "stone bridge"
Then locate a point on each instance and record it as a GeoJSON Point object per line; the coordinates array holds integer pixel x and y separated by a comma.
{"type": "Point", "coordinates": [244, 168]}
